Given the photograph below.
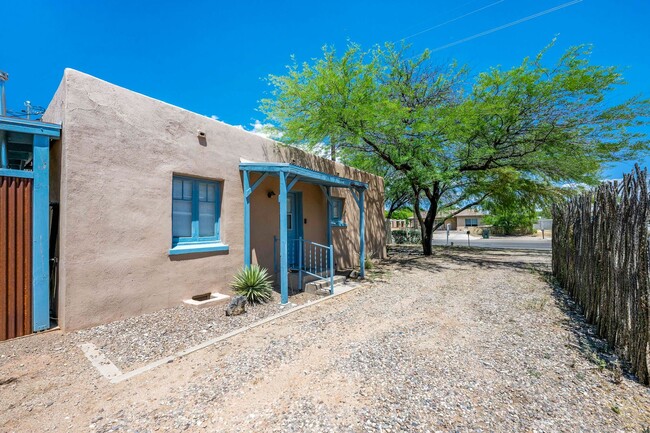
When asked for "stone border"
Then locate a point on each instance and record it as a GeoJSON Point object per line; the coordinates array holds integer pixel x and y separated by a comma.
{"type": "Point", "coordinates": [111, 372]}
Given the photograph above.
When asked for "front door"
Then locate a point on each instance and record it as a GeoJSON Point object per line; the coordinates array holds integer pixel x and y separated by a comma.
{"type": "Point", "coordinates": [294, 226]}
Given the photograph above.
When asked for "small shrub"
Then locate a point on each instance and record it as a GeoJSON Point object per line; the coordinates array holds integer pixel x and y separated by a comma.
{"type": "Point", "coordinates": [253, 283]}
{"type": "Point", "coordinates": [407, 236]}
{"type": "Point", "coordinates": [368, 264]}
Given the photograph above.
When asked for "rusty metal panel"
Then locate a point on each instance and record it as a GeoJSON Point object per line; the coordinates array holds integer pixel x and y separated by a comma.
{"type": "Point", "coordinates": [15, 256]}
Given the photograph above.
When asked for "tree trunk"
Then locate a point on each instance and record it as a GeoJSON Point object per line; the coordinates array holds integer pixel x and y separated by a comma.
{"type": "Point", "coordinates": [427, 231]}
{"type": "Point", "coordinates": [426, 224]}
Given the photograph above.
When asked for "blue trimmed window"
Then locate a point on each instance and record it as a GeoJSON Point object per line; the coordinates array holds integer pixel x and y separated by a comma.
{"type": "Point", "coordinates": [337, 211]}
{"type": "Point", "coordinates": [196, 210]}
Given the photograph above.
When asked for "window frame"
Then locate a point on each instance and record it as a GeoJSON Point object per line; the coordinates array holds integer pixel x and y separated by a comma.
{"type": "Point", "coordinates": [334, 220]}
{"type": "Point", "coordinates": [185, 244]}
{"type": "Point", "coordinates": [473, 220]}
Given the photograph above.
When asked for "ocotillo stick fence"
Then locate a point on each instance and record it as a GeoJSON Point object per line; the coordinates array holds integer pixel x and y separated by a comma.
{"type": "Point", "coordinates": [600, 256]}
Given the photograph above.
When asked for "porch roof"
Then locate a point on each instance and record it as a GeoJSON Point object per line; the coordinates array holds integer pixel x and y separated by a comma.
{"type": "Point", "coordinates": [303, 174]}
{"type": "Point", "coordinates": [24, 126]}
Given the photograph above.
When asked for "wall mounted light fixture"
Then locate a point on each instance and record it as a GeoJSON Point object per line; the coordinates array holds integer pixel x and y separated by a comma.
{"type": "Point", "coordinates": [270, 194]}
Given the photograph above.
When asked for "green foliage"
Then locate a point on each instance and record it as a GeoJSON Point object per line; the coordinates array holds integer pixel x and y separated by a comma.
{"type": "Point", "coordinates": [513, 209]}
{"type": "Point", "coordinates": [400, 214]}
{"type": "Point", "coordinates": [511, 220]}
{"type": "Point", "coordinates": [253, 283]}
{"type": "Point", "coordinates": [407, 236]}
{"type": "Point", "coordinates": [450, 141]}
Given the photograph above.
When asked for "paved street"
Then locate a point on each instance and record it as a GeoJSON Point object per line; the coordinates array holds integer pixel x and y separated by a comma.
{"type": "Point", "coordinates": [505, 242]}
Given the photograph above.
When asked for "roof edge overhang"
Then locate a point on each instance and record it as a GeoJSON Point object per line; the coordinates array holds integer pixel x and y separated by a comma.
{"type": "Point", "coordinates": [304, 174]}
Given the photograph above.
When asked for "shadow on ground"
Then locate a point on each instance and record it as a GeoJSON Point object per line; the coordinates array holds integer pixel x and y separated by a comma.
{"type": "Point", "coordinates": [585, 336]}
{"type": "Point", "coordinates": [410, 257]}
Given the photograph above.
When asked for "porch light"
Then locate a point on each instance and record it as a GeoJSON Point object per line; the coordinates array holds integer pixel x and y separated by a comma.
{"type": "Point", "coordinates": [270, 194]}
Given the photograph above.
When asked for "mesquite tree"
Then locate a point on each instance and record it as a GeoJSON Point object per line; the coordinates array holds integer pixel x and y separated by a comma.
{"type": "Point", "coordinates": [454, 140]}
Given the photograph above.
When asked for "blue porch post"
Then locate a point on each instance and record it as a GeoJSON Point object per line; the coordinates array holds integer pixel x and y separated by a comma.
{"type": "Point", "coordinates": [284, 268]}
{"type": "Point", "coordinates": [301, 254]}
{"type": "Point", "coordinates": [247, 219]}
{"type": "Point", "coordinates": [4, 160]}
{"type": "Point", "coordinates": [328, 197]}
{"type": "Point", "coordinates": [362, 234]}
{"type": "Point", "coordinates": [40, 234]}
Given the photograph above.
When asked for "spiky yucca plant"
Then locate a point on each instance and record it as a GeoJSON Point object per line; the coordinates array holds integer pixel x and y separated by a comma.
{"type": "Point", "coordinates": [253, 283]}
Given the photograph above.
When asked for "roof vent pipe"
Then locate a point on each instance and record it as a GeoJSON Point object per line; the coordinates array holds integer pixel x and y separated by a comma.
{"type": "Point", "coordinates": [3, 100]}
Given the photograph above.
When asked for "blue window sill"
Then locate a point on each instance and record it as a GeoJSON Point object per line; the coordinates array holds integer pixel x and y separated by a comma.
{"type": "Point", "coordinates": [191, 248]}
{"type": "Point", "coordinates": [339, 224]}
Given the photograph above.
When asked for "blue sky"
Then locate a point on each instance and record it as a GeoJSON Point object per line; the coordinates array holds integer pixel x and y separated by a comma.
{"type": "Point", "coordinates": [211, 57]}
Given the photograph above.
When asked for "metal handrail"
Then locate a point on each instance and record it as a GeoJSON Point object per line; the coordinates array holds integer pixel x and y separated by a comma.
{"type": "Point", "coordinates": [315, 260]}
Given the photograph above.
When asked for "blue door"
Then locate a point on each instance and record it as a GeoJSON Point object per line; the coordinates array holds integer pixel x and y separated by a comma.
{"type": "Point", "coordinates": [294, 226]}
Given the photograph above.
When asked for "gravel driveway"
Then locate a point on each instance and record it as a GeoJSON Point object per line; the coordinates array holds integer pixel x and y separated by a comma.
{"type": "Point", "coordinates": [466, 340]}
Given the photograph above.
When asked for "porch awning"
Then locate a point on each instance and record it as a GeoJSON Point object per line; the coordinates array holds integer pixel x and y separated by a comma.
{"type": "Point", "coordinates": [303, 174]}
{"type": "Point", "coordinates": [289, 175]}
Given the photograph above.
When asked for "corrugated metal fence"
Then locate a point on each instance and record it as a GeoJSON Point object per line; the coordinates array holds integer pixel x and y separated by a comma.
{"type": "Point", "coordinates": [600, 256]}
{"type": "Point", "coordinates": [15, 257]}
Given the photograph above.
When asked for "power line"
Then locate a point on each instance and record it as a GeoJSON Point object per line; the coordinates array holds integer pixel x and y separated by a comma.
{"type": "Point", "coordinates": [505, 26]}
{"type": "Point", "coordinates": [453, 19]}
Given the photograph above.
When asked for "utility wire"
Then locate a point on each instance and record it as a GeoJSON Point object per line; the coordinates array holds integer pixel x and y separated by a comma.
{"type": "Point", "coordinates": [452, 20]}
{"type": "Point", "coordinates": [505, 26]}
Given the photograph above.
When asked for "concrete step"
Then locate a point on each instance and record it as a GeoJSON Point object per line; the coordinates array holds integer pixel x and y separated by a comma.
{"type": "Point", "coordinates": [322, 287]}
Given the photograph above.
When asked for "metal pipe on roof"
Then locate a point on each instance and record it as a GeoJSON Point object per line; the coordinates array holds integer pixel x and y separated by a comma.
{"type": "Point", "coordinates": [3, 99]}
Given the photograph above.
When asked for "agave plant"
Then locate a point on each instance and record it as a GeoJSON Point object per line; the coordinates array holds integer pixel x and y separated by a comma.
{"type": "Point", "coordinates": [253, 283]}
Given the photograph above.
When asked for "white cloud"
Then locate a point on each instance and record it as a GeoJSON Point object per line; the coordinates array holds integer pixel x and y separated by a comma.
{"type": "Point", "coordinates": [215, 117]}
{"type": "Point", "coordinates": [266, 130]}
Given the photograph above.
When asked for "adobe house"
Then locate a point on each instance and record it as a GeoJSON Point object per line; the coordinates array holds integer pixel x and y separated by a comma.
{"type": "Point", "coordinates": [157, 204]}
{"type": "Point", "coordinates": [463, 220]}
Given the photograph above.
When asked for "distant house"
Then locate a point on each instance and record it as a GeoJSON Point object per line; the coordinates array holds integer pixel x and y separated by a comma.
{"type": "Point", "coordinates": [461, 221]}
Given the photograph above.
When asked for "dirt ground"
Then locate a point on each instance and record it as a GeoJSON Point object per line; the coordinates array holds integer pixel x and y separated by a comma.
{"type": "Point", "coordinates": [466, 340]}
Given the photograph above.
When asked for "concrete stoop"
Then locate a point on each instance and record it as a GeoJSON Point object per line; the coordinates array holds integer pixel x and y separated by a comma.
{"type": "Point", "coordinates": [322, 287]}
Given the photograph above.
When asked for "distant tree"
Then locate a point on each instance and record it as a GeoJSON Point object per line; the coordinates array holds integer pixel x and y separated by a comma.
{"type": "Point", "coordinates": [402, 214]}
{"type": "Point", "coordinates": [510, 216]}
{"type": "Point", "coordinates": [454, 143]}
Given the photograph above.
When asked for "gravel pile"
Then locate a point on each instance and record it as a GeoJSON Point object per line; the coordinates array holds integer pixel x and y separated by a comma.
{"type": "Point", "coordinates": [465, 341]}
{"type": "Point", "coordinates": [136, 341]}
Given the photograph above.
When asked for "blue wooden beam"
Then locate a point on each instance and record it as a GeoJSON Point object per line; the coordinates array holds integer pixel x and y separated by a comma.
{"type": "Point", "coordinates": [40, 234]}
{"type": "Point", "coordinates": [247, 219]}
{"type": "Point", "coordinates": [16, 173]}
{"type": "Point", "coordinates": [326, 194]}
{"type": "Point", "coordinates": [255, 185]}
{"type": "Point", "coordinates": [293, 182]}
{"type": "Point", "coordinates": [284, 266]}
{"type": "Point", "coordinates": [35, 127]}
{"type": "Point", "coordinates": [306, 175]}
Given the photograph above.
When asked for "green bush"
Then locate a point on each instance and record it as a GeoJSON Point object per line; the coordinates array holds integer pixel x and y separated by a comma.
{"type": "Point", "coordinates": [407, 236]}
{"type": "Point", "coordinates": [253, 283]}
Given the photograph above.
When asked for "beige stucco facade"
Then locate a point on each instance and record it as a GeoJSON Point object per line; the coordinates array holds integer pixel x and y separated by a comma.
{"type": "Point", "coordinates": [112, 175]}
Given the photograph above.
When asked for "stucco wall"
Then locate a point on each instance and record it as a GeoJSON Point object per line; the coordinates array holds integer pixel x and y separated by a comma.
{"type": "Point", "coordinates": [115, 162]}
